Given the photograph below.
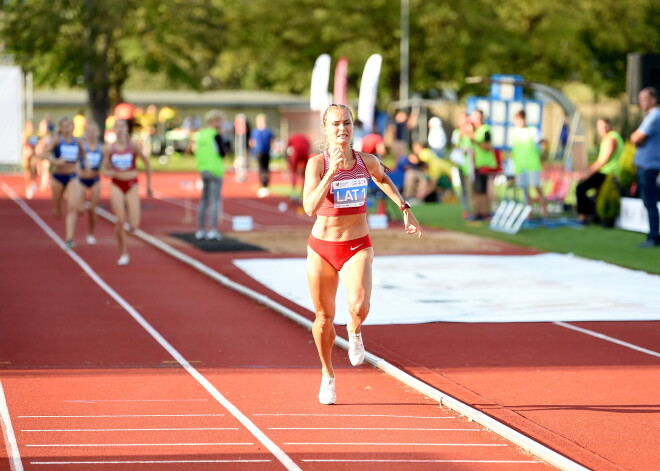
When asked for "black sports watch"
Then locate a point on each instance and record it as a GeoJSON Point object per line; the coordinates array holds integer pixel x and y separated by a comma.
{"type": "Point", "coordinates": [405, 205]}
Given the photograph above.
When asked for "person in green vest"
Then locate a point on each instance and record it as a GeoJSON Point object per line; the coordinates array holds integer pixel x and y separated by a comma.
{"type": "Point", "coordinates": [607, 163]}
{"type": "Point", "coordinates": [209, 153]}
{"type": "Point", "coordinates": [526, 156]}
{"type": "Point", "coordinates": [485, 164]}
{"type": "Point", "coordinates": [462, 156]}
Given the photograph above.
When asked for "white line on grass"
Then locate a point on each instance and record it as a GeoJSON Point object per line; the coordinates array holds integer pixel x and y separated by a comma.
{"type": "Point", "coordinates": [206, 384]}
{"type": "Point", "coordinates": [13, 454]}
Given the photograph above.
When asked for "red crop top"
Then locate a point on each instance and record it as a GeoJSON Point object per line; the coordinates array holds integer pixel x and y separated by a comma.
{"type": "Point", "coordinates": [348, 190]}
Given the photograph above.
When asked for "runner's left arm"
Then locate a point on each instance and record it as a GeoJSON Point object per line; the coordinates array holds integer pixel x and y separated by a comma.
{"type": "Point", "coordinates": [377, 171]}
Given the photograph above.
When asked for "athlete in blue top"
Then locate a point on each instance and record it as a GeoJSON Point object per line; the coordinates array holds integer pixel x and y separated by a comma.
{"type": "Point", "coordinates": [65, 154]}
{"type": "Point", "coordinates": [90, 181]}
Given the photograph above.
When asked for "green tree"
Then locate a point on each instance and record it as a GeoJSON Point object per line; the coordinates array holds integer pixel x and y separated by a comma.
{"type": "Point", "coordinates": [95, 44]}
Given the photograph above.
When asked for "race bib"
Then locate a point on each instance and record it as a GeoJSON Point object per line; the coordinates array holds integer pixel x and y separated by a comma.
{"type": "Point", "coordinates": [349, 193]}
{"type": "Point", "coordinates": [122, 161]}
{"type": "Point", "coordinates": [94, 158]}
{"type": "Point", "coordinates": [69, 152]}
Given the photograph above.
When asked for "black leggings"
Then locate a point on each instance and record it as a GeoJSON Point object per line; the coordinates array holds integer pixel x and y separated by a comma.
{"type": "Point", "coordinates": [586, 205]}
{"type": "Point", "coordinates": [264, 162]}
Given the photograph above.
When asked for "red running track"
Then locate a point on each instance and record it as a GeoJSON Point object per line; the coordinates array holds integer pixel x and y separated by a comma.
{"type": "Point", "coordinates": [88, 387]}
{"type": "Point", "coordinates": [592, 400]}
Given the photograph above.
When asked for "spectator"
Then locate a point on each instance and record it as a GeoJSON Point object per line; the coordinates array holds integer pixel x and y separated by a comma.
{"type": "Point", "coordinates": [414, 175]}
{"type": "Point", "coordinates": [484, 165]}
{"type": "Point", "coordinates": [647, 159]}
{"type": "Point", "coordinates": [261, 141]}
{"type": "Point", "coordinates": [209, 153]}
{"type": "Point", "coordinates": [462, 155]}
{"type": "Point", "coordinates": [526, 158]}
{"type": "Point", "coordinates": [611, 148]}
{"type": "Point", "coordinates": [399, 129]}
{"type": "Point", "coordinates": [298, 149]}
{"type": "Point", "coordinates": [437, 137]}
{"type": "Point", "coordinates": [438, 174]}
{"type": "Point", "coordinates": [79, 122]}
{"type": "Point", "coordinates": [374, 144]}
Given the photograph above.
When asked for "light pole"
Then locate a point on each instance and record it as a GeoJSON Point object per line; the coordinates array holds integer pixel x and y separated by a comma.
{"type": "Point", "coordinates": [404, 59]}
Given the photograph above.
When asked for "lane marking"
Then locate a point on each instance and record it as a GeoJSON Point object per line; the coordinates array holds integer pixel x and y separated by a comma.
{"type": "Point", "coordinates": [395, 444]}
{"type": "Point", "coordinates": [148, 462]}
{"type": "Point", "coordinates": [14, 456]}
{"type": "Point", "coordinates": [205, 383]}
{"type": "Point", "coordinates": [91, 401]}
{"type": "Point", "coordinates": [61, 445]}
{"type": "Point", "coordinates": [354, 415]}
{"type": "Point", "coordinates": [607, 338]}
{"type": "Point", "coordinates": [132, 429]}
{"type": "Point", "coordinates": [420, 461]}
{"type": "Point", "coordinates": [532, 446]}
{"type": "Point", "coordinates": [115, 416]}
{"type": "Point", "coordinates": [376, 428]}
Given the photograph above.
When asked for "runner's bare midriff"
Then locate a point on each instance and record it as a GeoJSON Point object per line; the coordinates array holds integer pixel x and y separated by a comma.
{"type": "Point", "coordinates": [338, 228]}
{"type": "Point", "coordinates": [125, 174]}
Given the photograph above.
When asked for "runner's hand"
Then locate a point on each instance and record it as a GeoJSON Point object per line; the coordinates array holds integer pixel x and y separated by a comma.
{"type": "Point", "coordinates": [410, 223]}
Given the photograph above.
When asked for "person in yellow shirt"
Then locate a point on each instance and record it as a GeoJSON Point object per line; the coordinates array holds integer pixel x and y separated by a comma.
{"type": "Point", "coordinates": [79, 123]}
{"type": "Point", "coordinates": [438, 172]}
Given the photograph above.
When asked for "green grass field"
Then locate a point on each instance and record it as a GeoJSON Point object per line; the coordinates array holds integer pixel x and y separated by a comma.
{"type": "Point", "coordinates": [594, 242]}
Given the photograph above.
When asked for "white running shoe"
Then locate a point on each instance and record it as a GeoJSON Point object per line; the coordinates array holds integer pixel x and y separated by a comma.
{"type": "Point", "coordinates": [327, 394]}
{"type": "Point", "coordinates": [91, 240]}
{"type": "Point", "coordinates": [263, 192]}
{"type": "Point", "coordinates": [213, 234]}
{"type": "Point", "coordinates": [200, 234]}
{"type": "Point", "coordinates": [355, 348]}
{"type": "Point", "coordinates": [123, 260]}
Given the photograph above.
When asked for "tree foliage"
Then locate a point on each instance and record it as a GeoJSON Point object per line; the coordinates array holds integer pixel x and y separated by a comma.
{"type": "Point", "coordinates": [261, 44]}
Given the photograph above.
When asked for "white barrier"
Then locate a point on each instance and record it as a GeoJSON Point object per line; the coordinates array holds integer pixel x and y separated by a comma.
{"type": "Point", "coordinates": [633, 216]}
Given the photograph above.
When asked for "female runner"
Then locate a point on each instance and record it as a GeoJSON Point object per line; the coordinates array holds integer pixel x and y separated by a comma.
{"type": "Point", "coordinates": [339, 246]}
{"type": "Point", "coordinates": [90, 181]}
{"type": "Point", "coordinates": [119, 161]}
{"type": "Point", "coordinates": [65, 153]}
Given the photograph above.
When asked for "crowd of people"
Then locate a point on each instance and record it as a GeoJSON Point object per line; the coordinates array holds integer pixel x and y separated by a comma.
{"type": "Point", "coordinates": [72, 158]}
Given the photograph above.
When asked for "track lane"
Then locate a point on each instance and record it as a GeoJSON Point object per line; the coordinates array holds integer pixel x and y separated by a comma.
{"type": "Point", "coordinates": [244, 374]}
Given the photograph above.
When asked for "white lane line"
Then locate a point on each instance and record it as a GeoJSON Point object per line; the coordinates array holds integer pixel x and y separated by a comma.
{"type": "Point", "coordinates": [420, 461]}
{"type": "Point", "coordinates": [133, 429]}
{"type": "Point", "coordinates": [353, 415]}
{"type": "Point", "coordinates": [392, 444]}
{"type": "Point", "coordinates": [607, 338]}
{"type": "Point", "coordinates": [205, 383]}
{"type": "Point", "coordinates": [15, 463]}
{"type": "Point", "coordinates": [115, 416]}
{"type": "Point", "coordinates": [82, 445]}
{"type": "Point", "coordinates": [378, 428]}
{"type": "Point", "coordinates": [528, 444]}
{"type": "Point", "coordinates": [148, 462]}
{"type": "Point", "coordinates": [92, 401]}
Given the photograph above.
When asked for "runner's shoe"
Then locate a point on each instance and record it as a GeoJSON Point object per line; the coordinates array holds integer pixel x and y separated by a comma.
{"type": "Point", "coordinates": [327, 394]}
{"type": "Point", "coordinates": [70, 244]}
{"type": "Point", "coordinates": [91, 240]}
{"type": "Point", "coordinates": [123, 260]}
{"type": "Point", "coordinates": [355, 348]}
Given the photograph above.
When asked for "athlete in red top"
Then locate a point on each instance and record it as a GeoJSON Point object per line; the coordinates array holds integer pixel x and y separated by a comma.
{"type": "Point", "coordinates": [298, 149]}
{"type": "Point", "coordinates": [119, 164]}
{"type": "Point", "coordinates": [335, 192]}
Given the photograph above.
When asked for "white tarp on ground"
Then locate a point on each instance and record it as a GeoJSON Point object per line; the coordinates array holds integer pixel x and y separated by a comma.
{"type": "Point", "coordinates": [479, 288]}
{"type": "Point", "coordinates": [11, 125]}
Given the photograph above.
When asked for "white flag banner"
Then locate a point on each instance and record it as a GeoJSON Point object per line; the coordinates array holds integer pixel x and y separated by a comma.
{"type": "Point", "coordinates": [11, 116]}
{"type": "Point", "coordinates": [318, 98]}
{"type": "Point", "coordinates": [368, 89]}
